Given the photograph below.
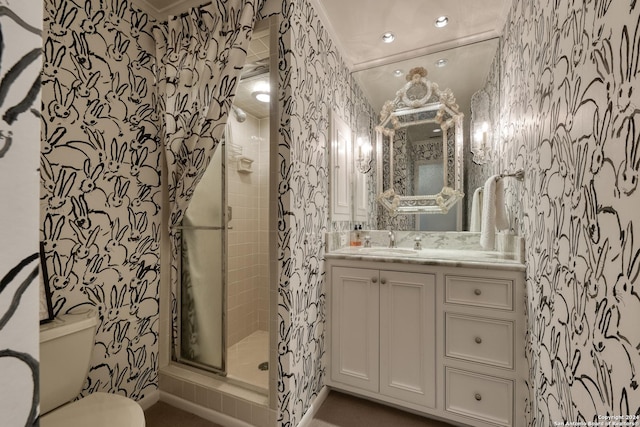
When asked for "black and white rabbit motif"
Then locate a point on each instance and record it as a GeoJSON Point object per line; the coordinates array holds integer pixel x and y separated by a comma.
{"type": "Point", "coordinates": [578, 140]}
{"type": "Point", "coordinates": [97, 211]}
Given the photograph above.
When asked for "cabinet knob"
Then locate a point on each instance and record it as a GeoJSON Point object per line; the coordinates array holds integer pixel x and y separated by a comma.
{"type": "Point", "coordinates": [477, 292]}
{"type": "Point", "coordinates": [374, 279]}
{"type": "Point", "coordinates": [478, 397]}
{"type": "Point", "coordinates": [383, 281]}
{"type": "Point", "coordinates": [478, 340]}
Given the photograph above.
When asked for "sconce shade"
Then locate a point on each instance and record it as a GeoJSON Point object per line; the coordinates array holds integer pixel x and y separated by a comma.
{"type": "Point", "coordinates": [481, 135]}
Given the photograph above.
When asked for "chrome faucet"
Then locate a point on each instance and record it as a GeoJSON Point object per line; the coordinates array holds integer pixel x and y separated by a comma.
{"type": "Point", "coordinates": [392, 240]}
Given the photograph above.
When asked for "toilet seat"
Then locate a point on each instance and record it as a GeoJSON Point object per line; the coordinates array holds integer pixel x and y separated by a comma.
{"type": "Point", "coordinates": [96, 410]}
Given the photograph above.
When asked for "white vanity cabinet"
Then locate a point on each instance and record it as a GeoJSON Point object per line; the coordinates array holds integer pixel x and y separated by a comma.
{"type": "Point", "coordinates": [383, 332]}
{"type": "Point", "coordinates": [446, 341]}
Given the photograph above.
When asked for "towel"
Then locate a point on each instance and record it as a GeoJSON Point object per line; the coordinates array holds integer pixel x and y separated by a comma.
{"type": "Point", "coordinates": [494, 215]}
{"type": "Point", "coordinates": [502, 221]}
{"type": "Point", "coordinates": [475, 222]}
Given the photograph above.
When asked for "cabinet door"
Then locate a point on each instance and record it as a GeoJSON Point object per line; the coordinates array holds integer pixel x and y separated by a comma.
{"type": "Point", "coordinates": [407, 337]}
{"type": "Point", "coordinates": [354, 327]}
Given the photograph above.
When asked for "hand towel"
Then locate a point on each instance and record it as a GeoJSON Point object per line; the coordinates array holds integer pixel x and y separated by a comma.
{"type": "Point", "coordinates": [494, 215]}
{"type": "Point", "coordinates": [475, 221]}
{"type": "Point", "coordinates": [502, 221]}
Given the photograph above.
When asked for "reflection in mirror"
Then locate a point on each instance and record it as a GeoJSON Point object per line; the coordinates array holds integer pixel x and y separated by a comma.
{"type": "Point", "coordinates": [468, 69]}
{"type": "Point", "coordinates": [406, 128]}
{"type": "Point", "coordinates": [422, 171]}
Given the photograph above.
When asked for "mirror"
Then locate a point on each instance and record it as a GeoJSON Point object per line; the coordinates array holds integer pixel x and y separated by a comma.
{"type": "Point", "coordinates": [420, 134]}
{"type": "Point", "coordinates": [467, 70]}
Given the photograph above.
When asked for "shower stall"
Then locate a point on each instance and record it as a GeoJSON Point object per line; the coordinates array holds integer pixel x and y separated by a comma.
{"type": "Point", "coordinates": [224, 294]}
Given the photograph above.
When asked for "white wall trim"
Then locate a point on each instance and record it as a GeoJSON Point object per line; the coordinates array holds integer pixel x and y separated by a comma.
{"type": "Point", "coordinates": [201, 411]}
{"type": "Point", "coordinates": [149, 400]}
{"type": "Point", "coordinates": [315, 406]}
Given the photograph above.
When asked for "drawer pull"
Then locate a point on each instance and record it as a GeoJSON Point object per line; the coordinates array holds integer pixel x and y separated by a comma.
{"type": "Point", "coordinates": [374, 279]}
{"type": "Point", "coordinates": [478, 340]}
{"type": "Point", "coordinates": [478, 397]}
{"type": "Point", "coordinates": [478, 292]}
{"type": "Point", "coordinates": [383, 281]}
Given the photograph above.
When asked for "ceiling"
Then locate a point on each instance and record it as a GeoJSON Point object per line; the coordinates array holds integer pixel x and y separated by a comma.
{"type": "Point", "coordinates": [412, 22]}
{"type": "Point", "coordinates": [417, 40]}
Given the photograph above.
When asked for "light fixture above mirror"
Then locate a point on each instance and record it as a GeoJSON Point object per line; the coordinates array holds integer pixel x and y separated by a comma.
{"type": "Point", "coordinates": [442, 21]}
{"type": "Point", "coordinates": [388, 37]}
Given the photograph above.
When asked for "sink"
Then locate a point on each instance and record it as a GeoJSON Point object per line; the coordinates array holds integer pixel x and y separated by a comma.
{"type": "Point", "coordinates": [388, 251]}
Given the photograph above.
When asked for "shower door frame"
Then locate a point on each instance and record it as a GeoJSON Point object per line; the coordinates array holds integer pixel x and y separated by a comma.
{"type": "Point", "coordinates": [169, 350]}
{"type": "Point", "coordinates": [224, 214]}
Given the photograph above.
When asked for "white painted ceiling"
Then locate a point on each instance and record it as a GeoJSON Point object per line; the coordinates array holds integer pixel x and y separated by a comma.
{"type": "Point", "coordinates": [356, 26]}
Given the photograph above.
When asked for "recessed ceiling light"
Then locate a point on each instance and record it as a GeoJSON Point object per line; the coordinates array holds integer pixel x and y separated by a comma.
{"type": "Point", "coordinates": [441, 63]}
{"type": "Point", "coordinates": [441, 21]}
{"type": "Point", "coordinates": [436, 130]}
{"type": "Point", "coordinates": [398, 72]}
{"type": "Point", "coordinates": [388, 37]}
{"type": "Point", "coordinates": [261, 96]}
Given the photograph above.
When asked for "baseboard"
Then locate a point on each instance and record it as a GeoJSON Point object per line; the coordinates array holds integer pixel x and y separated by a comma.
{"type": "Point", "coordinates": [149, 400]}
{"type": "Point", "coordinates": [315, 406]}
{"type": "Point", "coordinates": [201, 411]}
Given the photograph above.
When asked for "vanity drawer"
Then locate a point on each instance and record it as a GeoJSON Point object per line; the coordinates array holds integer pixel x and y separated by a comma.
{"type": "Point", "coordinates": [478, 339]}
{"type": "Point", "coordinates": [485, 398]}
{"type": "Point", "coordinates": [479, 291]}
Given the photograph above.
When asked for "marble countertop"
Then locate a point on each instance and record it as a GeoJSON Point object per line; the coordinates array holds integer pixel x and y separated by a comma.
{"type": "Point", "coordinates": [431, 256]}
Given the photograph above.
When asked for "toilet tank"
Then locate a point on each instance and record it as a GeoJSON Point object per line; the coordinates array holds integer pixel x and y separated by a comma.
{"type": "Point", "coordinates": [66, 344]}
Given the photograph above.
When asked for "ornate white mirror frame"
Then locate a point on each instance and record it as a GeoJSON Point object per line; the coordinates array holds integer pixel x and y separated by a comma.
{"type": "Point", "coordinates": [419, 102]}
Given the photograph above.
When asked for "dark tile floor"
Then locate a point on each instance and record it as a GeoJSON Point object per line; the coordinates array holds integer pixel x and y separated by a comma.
{"type": "Point", "coordinates": [343, 410]}
{"type": "Point", "coordinates": [338, 410]}
{"type": "Point", "coordinates": [164, 415]}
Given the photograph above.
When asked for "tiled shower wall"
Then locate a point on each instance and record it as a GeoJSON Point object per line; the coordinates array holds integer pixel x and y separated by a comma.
{"type": "Point", "coordinates": [248, 275]}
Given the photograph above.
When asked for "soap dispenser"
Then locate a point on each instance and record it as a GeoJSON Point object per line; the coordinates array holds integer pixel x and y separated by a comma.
{"type": "Point", "coordinates": [355, 239]}
{"type": "Point", "coordinates": [359, 235]}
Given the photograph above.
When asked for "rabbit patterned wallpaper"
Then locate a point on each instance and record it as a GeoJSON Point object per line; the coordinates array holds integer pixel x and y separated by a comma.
{"type": "Point", "coordinates": [20, 65]}
{"type": "Point", "coordinates": [569, 106]}
{"type": "Point", "coordinates": [100, 172]}
{"type": "Point", "coordinates": [313, 81]}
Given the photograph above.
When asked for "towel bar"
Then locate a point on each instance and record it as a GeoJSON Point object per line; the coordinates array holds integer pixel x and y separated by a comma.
{"type": "Point", "coordinates": [519, 175]}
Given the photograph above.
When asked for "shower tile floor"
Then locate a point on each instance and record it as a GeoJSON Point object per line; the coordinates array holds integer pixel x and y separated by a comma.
{"type": "Point", "coordinates": [244, 357]}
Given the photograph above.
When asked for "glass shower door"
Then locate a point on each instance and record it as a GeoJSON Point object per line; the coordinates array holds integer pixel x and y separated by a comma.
{"type": "Point", "coordinates": [203, 272]}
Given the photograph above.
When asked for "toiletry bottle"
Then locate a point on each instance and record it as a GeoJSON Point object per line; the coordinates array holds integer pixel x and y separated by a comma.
{"type": "Point", "coordinates": [353, 237]}
{"type": "Point", "coordinates": [359, 235]}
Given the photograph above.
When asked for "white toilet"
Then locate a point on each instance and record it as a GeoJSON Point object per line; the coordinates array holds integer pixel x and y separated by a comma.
{"type": "Point", "coordinates": [66, 344]}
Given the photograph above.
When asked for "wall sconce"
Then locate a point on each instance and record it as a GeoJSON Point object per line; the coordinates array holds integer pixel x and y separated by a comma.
{"type": "Point", "coordinates": [480, 146]}
{"type": "Point", "coordinates": [481, 137]}
{"type": "Point", "coordinates": [363, 154]}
